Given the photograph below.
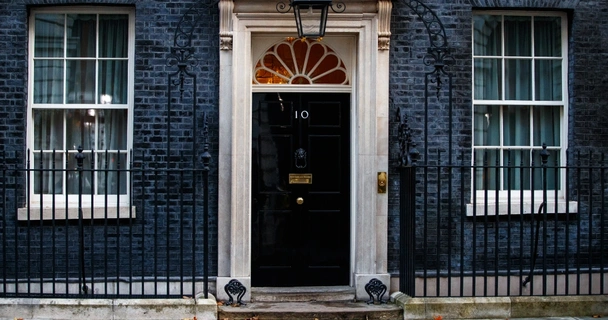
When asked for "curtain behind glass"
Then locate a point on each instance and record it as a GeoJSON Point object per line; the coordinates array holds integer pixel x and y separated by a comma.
{"type": "Point", "coordinates": [518, 69]}
{"type": "Point", "coordinates": [48, 138]}
{"type": "Point", "coordinates": [547, 126]}
{"type": "Point", "coordinates": [81, 31]}
{"type": "Point", "coordinates": [487, 71]}
{"type": "Point", "coordinates": [113, 67]}
{"type": "Point", "coordinates": [48, 41]}
{"type": "Point", "coordinates": [548, 72]}
{"type": "Point", "coordinates": [487, 125]}
{"type": "Point", "coordinates": [113, 140]}
{"type": "Point", "coordinates": [48, 71]}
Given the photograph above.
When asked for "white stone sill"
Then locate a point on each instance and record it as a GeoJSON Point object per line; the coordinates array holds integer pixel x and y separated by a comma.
{"type": "Point", "coordinates": [60, 212]}
{"type": "Point", "coordinates": [516, 208]}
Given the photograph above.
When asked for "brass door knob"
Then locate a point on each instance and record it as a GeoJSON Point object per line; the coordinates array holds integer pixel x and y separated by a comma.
{"type": "Point", "coordinates": [300, 200]}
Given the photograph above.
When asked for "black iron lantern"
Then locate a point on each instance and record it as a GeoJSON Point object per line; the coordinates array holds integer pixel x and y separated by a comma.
{"type": "Point", "coordinates": [311, 15]}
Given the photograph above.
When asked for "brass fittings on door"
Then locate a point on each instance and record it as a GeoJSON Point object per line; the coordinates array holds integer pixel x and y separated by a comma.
{"type": "Point", "coordinates": [382, 182]}
{"type": "Point", "coordinates": [300, 200]}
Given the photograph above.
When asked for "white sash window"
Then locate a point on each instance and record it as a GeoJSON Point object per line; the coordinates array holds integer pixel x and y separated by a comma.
{"type": "Point", "coordinates": [519, 100]}
{"type": "Point", "coordinates": [80, 95]}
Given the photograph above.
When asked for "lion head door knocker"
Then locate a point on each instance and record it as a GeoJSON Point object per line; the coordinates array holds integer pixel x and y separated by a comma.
{"type": "Point", "coordinates": [300, 158]}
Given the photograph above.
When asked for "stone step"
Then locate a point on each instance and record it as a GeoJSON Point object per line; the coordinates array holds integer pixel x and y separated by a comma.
{"type": "Point", "coordinates": [303, 294]}
{"type": "Point", "coordinates": [313, 310]}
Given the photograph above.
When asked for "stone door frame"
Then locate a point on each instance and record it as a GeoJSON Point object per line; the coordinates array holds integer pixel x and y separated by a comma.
{"type": "Point", "coordinates": [368, 22]}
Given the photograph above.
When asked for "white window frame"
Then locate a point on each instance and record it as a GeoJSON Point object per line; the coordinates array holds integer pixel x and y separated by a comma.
{"type": "Point", "coordinates": [491, 197]}
{"type": "Point", "coordinates": [60, 205]}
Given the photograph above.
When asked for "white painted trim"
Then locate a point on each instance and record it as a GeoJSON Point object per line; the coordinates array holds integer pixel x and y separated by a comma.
{"type": "Point", "coordinates": [502, 208]}
{"type": "Point", "coordinates": [369, 130]}
{"type": "Point", "coordinates": [564, 102]}
{"type": "Point", "coordinates": [71, 213]}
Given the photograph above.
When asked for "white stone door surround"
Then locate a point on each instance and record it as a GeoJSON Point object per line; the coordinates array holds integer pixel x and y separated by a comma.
{"type": "Point", "coordinates": [367, 23]}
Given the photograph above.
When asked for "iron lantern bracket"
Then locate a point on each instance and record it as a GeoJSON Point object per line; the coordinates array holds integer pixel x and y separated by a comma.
{"type": "Point", "coordinates": [318, 9]}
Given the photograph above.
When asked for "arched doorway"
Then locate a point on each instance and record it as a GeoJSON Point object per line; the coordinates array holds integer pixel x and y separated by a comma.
{"type": "Point", "coordinates": [358, 38]}
{"type": "Point", "coordinates": [300, 164]}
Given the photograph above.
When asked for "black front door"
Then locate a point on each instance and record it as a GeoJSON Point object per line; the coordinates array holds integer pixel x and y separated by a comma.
{"type": "Point", "coordinates": [301, 183]}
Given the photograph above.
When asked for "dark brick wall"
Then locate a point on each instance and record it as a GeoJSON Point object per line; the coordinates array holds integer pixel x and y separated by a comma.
{"type": "Point", "coordinates": [156, 143]}
{"type": "Point", "coordinates": [587, 115]}
{"type": "Point", "coordinates": [13, 63]}
{"type": "Point", "coordinates": [156, 22]}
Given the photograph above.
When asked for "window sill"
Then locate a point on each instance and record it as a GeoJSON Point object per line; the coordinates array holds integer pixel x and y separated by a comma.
{"type": "Point", "coordinates": [71, 213]}
{"type": "Point", "coordinates": [502, 208]}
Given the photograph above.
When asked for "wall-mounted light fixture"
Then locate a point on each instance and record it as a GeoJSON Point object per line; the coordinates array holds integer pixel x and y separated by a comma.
{"type": "Point", "coordinates": [311, 15]}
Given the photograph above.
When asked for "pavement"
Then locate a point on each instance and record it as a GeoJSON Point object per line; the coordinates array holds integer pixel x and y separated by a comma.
{"type": "Point", "coordinates": [520, 307]}
{"type": "Point", "coordinates": [407, 308]}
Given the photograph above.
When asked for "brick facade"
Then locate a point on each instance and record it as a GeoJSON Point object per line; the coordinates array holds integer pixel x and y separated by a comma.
{"type": "Point", "coordinates": [155, 26]}
{"type": "Point", "coordinates": [156, 22]}
{"type": "Point", "coordinates": [587, 115]}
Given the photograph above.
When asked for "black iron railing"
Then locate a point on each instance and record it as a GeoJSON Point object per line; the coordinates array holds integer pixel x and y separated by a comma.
{"type": "Point", "coordinates": [470, 230]}
{"type": "Point", "coordinates": [150, 239]}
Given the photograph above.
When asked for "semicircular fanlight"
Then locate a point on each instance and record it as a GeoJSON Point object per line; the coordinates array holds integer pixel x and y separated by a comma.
{"type": "Point", "coordinates": [300, 62]}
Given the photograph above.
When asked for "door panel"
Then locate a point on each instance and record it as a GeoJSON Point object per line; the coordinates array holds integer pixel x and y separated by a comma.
{"type": "Point", "coordinates": [307, 243]}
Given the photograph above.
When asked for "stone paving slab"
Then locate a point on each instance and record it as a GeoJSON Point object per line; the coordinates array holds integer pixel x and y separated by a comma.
{"type": "Point", "coordinates": [502, 307]}
{"type": "Point", "coordinates": [108, 309]}
{"type": "Point", "coordinates": [402, 307]}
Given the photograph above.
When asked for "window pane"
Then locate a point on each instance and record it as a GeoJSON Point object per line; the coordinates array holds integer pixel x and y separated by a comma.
{"type": "Point", "coordinates": [516, 172]}
{"type": "Point", "coordinates": [81, 30]}
{"type": "Point", "coordinates": [548, 80]}
{"type": "Point", "coordinates": [547, 126]}
{"type": "Point", "coordinates": [110, 175]}
{"type": "Point", "coordinates": [487, 125]}
{"type": "Point", "coordinates": [518, 32]}
{"type": "Point", "coordinates": [487, 35]}
{"type": "Point", "coordinates": [112, 129]}
{"type": "Point", "coordinates": [83, 178]}
{"type": "Point", "coordinates": [80, 129]}
{"type": "Point", "coordinates": [48, 81]}
{"type": "Point", "coordinates": [49, 35]}
{"type": "Point", "coordinates": [81, 81]}
{"type": "Point", "coordinates": [547, 36]}
{"type": "Point", "coordinates": [553, 175]}
{"type": "Point", "coordinates": [48, 129]}
{"type": "Point", "coordinates": [488, 79]}
{"type": "Point", "coordinates": [486, 174]}
{"type": "Point", "coordinates": [113, 36]}
{"type": "Point", "coordinates": [46, 181]}
{"type": "Point", "coordinates": [516, 125]}
{"type": "Point", "coordinates": [113, 78]}
{"type": "Point", "coordinates": [518, 83]}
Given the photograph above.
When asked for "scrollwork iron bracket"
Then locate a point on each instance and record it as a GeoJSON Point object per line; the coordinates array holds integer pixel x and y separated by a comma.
{"type": "Point", "coordinates": [283, 7]}
{"type": "Point", "coordinates": [438, 54]}
{"type": "Point", "coordinates": [182, 51]}
{"type": "Point", "coordinates": [235, 287]}
{"type": "Point", "coordinates": [376, 290]}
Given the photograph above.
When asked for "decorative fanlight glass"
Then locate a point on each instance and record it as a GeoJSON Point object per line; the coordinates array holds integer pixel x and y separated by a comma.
{"type": "Point", "coordinates": [300, 62]}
